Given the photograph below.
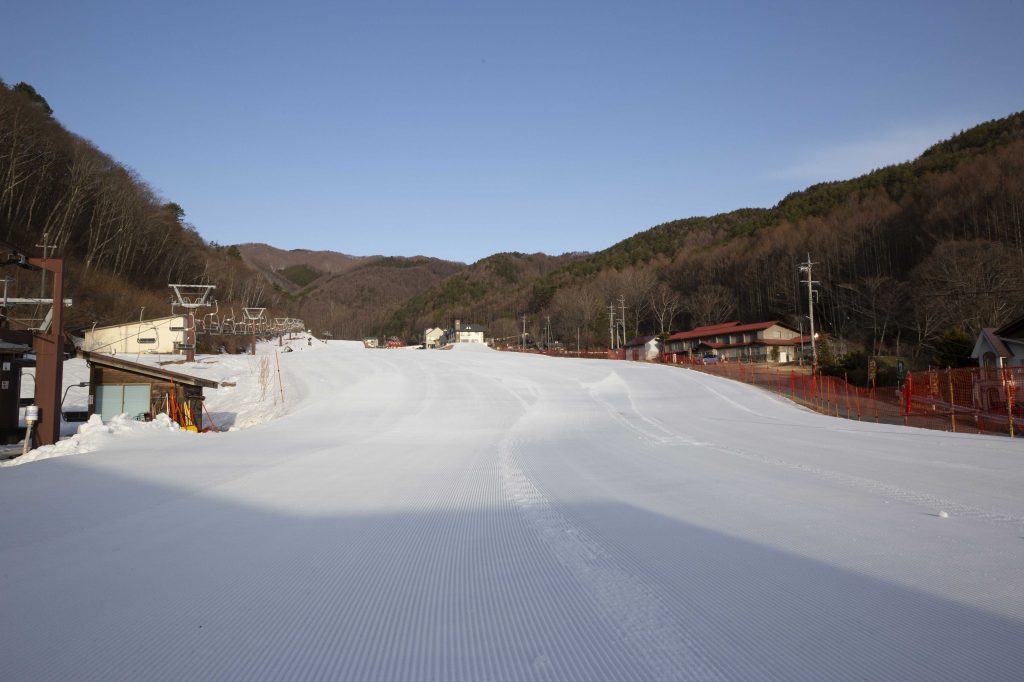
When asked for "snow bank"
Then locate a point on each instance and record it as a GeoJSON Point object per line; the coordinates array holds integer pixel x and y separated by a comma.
{"type": "Point", "coordinates": [93, 435]}
{"type": "Point", "coordinates": [253, 390]}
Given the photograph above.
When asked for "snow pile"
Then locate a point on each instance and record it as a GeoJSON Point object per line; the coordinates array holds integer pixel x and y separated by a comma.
{"type": "Point", "coordinates": [253, 390]}
{"type": "Point", "coordinates": [93, 435]}
{"type": "Point", "coordinates": [471, 347]}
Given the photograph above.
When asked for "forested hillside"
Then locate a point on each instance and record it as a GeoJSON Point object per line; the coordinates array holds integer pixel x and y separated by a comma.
{"type": "Point", "coordinates": [907, 256]}
{"type": "Point", "coordinates": [121, 243]}
{"type": "Point", "coordinates": [352, 298]}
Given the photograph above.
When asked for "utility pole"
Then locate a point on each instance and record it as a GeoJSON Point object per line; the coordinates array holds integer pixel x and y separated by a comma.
{"type": "Point", "coordinates": [523, 343]}
{"type": "Point", "coordinates": [42, 275]}
{"type": "Point", "coordinates": [611, 326]}
{"type": "Point", "coordinates": [622, 305]}
{"type": "Point", "coordinates": [547, 335]}
{"type": "Point", "coordinates": [801, 322]}
{"type": "Point", "coordinates": [810, 282]}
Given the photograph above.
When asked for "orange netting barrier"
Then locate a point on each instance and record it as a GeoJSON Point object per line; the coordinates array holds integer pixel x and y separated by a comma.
{"type": "Point", "coordinates": [967, 399]}
{"type": "Point", "coordinates": [600, 353]}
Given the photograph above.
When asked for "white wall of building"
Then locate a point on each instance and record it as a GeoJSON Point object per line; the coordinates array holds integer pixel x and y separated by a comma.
{"type": "Point", "coordinates": [146, 336]}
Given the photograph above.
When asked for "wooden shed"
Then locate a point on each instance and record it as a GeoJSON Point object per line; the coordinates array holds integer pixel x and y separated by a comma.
{"type": "Point", "coordinates": [119, 386]}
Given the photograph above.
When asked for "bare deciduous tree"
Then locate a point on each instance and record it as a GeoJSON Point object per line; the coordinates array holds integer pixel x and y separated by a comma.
{"type": "Point", "coordinates": [710, 304]}
{"type": "Point", "coordinates": [666, 305]}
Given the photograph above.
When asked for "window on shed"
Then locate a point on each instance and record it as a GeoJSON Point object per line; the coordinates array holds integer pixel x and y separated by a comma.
{"type": "Point", "coordinates": [115, 399]}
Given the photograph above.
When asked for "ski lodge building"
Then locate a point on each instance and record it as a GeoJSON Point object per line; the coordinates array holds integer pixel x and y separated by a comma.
{"type": "Point", "coordinates": [770, 341]}
{"type": "Point", "coordinates": [465, 333]}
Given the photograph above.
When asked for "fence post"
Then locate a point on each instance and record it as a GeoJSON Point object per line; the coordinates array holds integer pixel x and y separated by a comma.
{"type": "Point", "coordinates": [874, 401]}
{"type": "Point", "coordinates": [908, 390]}
{"type": "Point", "coordinates": [815, 397]}
{"type": "Point", "coordinates": [835, 394]}
{"type": "Point", "coordinates": [1008, 390]}
{"type": "Point", "coordinates": [846, 384]}
{"type": "Point", "coordinates": [952, 403]}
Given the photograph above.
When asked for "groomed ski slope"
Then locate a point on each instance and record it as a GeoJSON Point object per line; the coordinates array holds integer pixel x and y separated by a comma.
{"type": "Point", "coordinates": [475, 515]}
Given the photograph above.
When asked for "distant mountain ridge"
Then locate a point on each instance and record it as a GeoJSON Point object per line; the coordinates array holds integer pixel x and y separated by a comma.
{"type": "Point", "coordinates": [878, 241]}
{"type": "Point", "coordinates": [904, 255]}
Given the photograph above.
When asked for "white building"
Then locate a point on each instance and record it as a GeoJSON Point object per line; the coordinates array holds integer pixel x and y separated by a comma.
{"type": "Point", "coordinates": [642, 348]}
{"type": "Point", "coordinates": [466, 333]}
{"type": "Point", "coordinates": [162, 335]}
{"type": "Point", "coordinates": [432, 337]}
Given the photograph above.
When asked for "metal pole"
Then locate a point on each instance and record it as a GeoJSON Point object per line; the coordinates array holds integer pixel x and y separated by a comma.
{"type": "Point", "coordinates": [49, 348]}
{"type": "Point", "coordinates": [611, 326]}
{"type": "Point", "coordinates": [810, 309]}
{"type": "Point", "coordinates": [808, 268]}
{"type": "Point", "coordinates": [190, 337]}
{"type": "Point", "coordinates": [622, 304]}
{"type": "Point", "coordinates": [42, 276]}
{"type": "Point", "coordinates": [802, 351]}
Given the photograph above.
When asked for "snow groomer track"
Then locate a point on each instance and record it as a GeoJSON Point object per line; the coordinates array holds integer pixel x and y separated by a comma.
{"type": "Point", "coordinates": [474, 515]}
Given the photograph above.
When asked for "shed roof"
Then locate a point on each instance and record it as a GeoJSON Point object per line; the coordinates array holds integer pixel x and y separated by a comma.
{"type": "Point", "coordinates": [7, 347]}
{"type": "Point", "coordinates": [994, 340]}
{"type": "Point", "coordinates": [151, 371]}
{"type": "Point", "coordinates": [638, 341]}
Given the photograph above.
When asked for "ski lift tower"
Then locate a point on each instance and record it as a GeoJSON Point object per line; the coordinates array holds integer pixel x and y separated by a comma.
{"type": "Point", "coordinates": [47, 342]}
{"type": "Point", "coordinates": [190, 297]}
{"type": "Point", "coordinates": [254, 319]}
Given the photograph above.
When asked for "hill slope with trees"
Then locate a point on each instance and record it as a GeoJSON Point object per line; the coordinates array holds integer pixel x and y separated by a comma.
{"type": "Point", "coordinates": [907, 256]}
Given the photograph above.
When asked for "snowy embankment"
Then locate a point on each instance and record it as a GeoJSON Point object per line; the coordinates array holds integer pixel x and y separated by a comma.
{"type": "Point", "coordinates": [470, 515]}
{"type": "Point", "coordinates": [251, 392]}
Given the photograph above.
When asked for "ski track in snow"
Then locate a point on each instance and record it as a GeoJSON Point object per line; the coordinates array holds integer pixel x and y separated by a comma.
{"type": "Point", "coordinates": [659, 433]}
{"type": "Point", "coordinates": [417, 515]}
{"type": "Point", "coordinates": [931, 503]}
{"type": "Point", "coordinates": [645, 624]}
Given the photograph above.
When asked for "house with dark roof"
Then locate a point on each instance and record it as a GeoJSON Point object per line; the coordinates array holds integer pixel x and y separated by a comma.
{"type": "Point", "coordinates": [465, 333]}
{"type": "Point", "coordinates": [771, 341]}
{"type": "Point", "coordinates": [1002, 346]}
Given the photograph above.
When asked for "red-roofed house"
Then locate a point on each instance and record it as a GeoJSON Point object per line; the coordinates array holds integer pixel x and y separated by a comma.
{"type": "Point", "coordinates": [758, 342]}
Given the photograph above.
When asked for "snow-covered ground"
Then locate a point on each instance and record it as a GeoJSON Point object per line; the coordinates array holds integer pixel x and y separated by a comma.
{"type": "Point", "coordinates": [474, 515]}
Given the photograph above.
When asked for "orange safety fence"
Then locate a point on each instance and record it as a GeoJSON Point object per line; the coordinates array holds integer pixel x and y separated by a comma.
{"type": "Point", "coordinates": [602, 353]}
{"type": "Point", "coordinates": [966, 399]}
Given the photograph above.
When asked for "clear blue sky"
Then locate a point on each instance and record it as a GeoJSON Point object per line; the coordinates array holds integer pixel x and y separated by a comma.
{"type": "Point", "coordinates": [460, 129]}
